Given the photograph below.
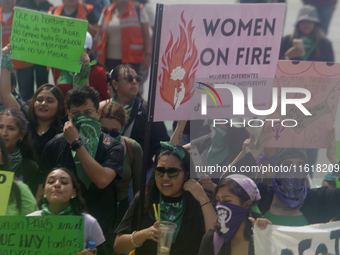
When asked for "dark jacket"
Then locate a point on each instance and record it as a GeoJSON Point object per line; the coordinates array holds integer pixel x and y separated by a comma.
{"type": "Point", "coordinates": [326, 50]}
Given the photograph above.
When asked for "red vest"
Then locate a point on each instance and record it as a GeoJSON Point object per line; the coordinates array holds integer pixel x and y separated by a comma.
{"type": "Point", "coordinates": [6, 35]}
{"type": "Point", "coordinates": [132, 36]}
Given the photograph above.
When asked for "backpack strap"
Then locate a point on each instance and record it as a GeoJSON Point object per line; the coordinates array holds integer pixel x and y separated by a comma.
{"type": "Point", "coordinates": [130, 150]}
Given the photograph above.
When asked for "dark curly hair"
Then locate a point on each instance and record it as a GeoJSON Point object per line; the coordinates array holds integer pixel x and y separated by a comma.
{"type": "Point", "coordinates": [78, 95]}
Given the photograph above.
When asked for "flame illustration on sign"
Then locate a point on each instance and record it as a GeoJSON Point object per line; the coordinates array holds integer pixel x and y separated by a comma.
{"type": "Point", "coordinates": [179, 65]}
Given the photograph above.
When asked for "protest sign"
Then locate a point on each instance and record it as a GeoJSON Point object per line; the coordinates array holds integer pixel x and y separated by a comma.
{"type": "Point", "coordinates": [47, 40]}
{"type": "Point", "coordinates": [234, 44]}
{"type": "Point", "coordinates": [6, 180]}
{"type": "Point", "coordinates": [38, 235]}
{"type": "Point", "coordinates": [306, 240]}
{"type": "Point", "coordinates": [295, 129]}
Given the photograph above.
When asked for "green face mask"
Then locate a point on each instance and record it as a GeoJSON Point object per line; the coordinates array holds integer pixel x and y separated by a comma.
{"type": "Point", "coordinates": [89, 133]}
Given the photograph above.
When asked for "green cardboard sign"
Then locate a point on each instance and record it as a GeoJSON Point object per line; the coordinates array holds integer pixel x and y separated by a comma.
{"type": "Point", "coordinates": [41, 235]}
{"type": "Point", "coordinates": [47, 40]}
{"type": "Point", "coordinates": [6, 181]}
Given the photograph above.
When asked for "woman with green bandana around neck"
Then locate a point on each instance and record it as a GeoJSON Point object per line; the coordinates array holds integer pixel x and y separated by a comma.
{"type": "Point", "coordinates": [315, 46]}
{"type": "Point", "coordinates": [123, 83]}
{"type": "Point", "coordinates": [182, 201]}
{"type": "Point", "coordinates": [62, 197]}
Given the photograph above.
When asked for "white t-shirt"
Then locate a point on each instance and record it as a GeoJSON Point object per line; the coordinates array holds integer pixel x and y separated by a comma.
{"type": "Point", "coordinates": [92, 230]}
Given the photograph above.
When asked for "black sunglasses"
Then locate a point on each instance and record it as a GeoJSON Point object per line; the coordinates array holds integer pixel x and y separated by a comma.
{"type": "Point", "coordinates": [172, 172]}
{"type": "Point", "coordinates": [130, 78]}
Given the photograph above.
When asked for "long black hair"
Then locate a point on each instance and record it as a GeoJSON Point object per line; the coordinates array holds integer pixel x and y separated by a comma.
{"type": "Point", "coordinates": [15, 194]}
{"type": "Point", "coordinates": [78, 203]}
{"type": "Point", "coordinates": [152, 192]}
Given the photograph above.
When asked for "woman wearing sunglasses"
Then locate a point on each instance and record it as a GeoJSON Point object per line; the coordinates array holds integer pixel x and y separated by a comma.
{"type": "Point", "coordinates": [112, 120]}
{"type": "Point", "coordinates": [123, 83]}
{"type": "Point", "coordinates": [181, 200]}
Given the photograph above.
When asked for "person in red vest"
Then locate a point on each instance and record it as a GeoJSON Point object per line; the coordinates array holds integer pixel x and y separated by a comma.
{"type": "Point", "coordinates": [23, 69]}
{"type": "Point", "coordinates": [74, 9]}
{"type": "Point", "coordinates": [124, 36]}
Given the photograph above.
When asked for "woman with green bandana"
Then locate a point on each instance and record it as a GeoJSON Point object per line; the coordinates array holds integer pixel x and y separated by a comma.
{"type": "Point", "coordinates": [13, 130]}
{"type": "Point", "coordinates": [123, 84]}
{"type": "Point", "coordinates": [314, 46]}
{"type": "Point", "coordinates": [62, 196]}
{"type": "Point", "coordinates": [21, 200]}
{"type": "Point", "coordinates": [182, 201]}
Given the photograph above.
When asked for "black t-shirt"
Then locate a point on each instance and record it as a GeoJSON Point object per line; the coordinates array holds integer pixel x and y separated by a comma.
{"type": "Point", "coordinates": [31, 4]}
{"type": "Point", "coordinates": [91, 16]}
{"type": "Point", "coordinates": [39, 141]}
{"type": "Point", "coordinates": [28, 172]}
{"type": "Point", "coordinates": [101, 203]}
{"type": "Point", "coordinates": [188, 239]}
{"type": "Point", "coordinates": [207, 245]}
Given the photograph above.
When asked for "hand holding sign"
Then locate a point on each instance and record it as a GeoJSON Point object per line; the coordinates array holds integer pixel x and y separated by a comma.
{"type": "Point", "coordinates": [47, 39]}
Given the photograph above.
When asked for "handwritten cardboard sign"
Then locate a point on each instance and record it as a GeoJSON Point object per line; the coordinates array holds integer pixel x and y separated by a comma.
{"type": "Point", "coordinates": [234, 44]}
{"type": "Point", "coordinates": [323, 82]}
{"type": "Point", "coordinates": [47, 40]}
{"type": "Point", "coordinates": [6, 180]}
{"type": "Point", "coordinates": [41, 235]}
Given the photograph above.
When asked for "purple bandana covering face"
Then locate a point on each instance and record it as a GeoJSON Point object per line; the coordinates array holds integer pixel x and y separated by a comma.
{"type": "Point", "coordinates": [230, 218]}
{"type": "Point", "coordinates": [290, 188]}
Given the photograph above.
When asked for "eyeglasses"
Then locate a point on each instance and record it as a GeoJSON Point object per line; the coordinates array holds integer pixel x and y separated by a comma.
{"type": "Point", "coordinates": [113, 134]}
{"type": "Point", "coordinates": [130, 78]}
{"type": "Point", "coordinates": [172, 172]}
{"type": "Point", "coordinates": [87, 112]}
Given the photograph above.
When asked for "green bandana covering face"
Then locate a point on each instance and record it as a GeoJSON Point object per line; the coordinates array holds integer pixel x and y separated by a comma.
{"type": "Point", "coordinates": [45, 211]}
{"type": "Point", "coordinates": [172, 212]}
{"type": "Point", "coordinates": [219, 149]}
{"type": "Point", "coordinates": [15, 159]}
{"type": "Point", "coordinates": [309, 45]}
{"type": "Point", "coordinates": [89, 133]}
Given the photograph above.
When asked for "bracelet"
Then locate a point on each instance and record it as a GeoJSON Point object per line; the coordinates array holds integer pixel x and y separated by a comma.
{"type": "Point", "coordinates": [78, 139]}
{"type": "Point", "coordinates": [205, 203]}
{"type": "Point", "coordinates": [6, 62]}
{"type": "Point", "coordinates": [137, 246]}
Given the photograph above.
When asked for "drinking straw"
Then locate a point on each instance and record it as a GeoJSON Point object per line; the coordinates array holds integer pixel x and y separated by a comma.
{"type": "Point", "coordinates": [155, 210]}
{"type": "Point", "coordinates": [159, 212]}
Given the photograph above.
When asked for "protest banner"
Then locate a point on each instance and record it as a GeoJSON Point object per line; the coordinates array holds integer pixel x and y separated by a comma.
{"type": "Point", "coordinates": [306, 240]}
{"type": "Point", "coordinates": [41, 235]}
{"type": "Point", "coordinates": [234, 44]}
{"type": "Point", "coordinates": [47, 40]}
{"type": "Point", "coordinates": [6, 180]}
{"type": "Point", "coordinates": [295, 129]}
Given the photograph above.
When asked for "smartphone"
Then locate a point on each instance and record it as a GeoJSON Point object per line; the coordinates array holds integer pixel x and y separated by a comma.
{"type": "Point", "coordinates": [299, 44]}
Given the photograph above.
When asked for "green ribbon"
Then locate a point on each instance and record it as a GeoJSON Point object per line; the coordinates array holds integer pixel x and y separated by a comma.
{"type": "Point", "coordinates": [168, 146]}
{"type": "Point", "coordinates": [45, 211]}
{"type": "Point", "coordinates": [89, 133]}
{"type": "Point", "coordinates": [6, 62]}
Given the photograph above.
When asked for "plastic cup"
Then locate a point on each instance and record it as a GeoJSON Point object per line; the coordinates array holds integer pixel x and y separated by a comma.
{"type": "Point", "coordinates": [168, 230]}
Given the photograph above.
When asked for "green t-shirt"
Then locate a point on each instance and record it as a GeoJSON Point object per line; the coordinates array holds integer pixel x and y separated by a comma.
{"type": "Point", "coordinates": [28, 202]}
{"type": "Point", "coordinates": [290, 221]}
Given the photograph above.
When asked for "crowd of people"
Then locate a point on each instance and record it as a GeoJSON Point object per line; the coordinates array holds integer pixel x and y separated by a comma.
{"type": "Point", "coordinates": [75, 146]}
